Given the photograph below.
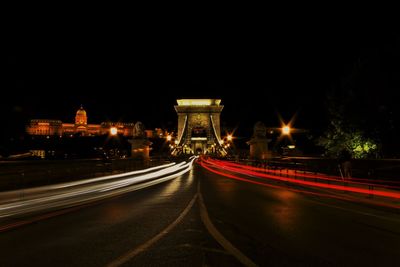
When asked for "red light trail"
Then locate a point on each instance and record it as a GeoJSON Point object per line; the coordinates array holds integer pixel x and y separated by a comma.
{"type": "Point", "coordinates": [311, 176]}
{"type": "Point", "coordinates": [211, 165]}
{"type": "Point", "coordinates": [347, 198]}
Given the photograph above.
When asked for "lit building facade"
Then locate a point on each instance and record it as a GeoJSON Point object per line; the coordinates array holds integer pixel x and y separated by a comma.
{"type": "Point", "coordinates": [80, 127]}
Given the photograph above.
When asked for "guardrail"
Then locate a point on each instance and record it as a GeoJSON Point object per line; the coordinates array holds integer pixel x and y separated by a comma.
{"type": "Point", "coordinates": [387, 170]}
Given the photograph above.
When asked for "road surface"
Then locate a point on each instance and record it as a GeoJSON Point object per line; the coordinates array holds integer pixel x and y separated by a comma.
{"type": "Point", "coordinates": [205, 219]}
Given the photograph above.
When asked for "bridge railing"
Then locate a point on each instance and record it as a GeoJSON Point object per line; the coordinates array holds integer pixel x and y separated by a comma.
{"type": "Point", "coordinates": [374, 169]}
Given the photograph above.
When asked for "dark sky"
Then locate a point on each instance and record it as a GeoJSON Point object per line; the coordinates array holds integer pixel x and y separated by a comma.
{"type": "Point", "coordinates": [130, 75]}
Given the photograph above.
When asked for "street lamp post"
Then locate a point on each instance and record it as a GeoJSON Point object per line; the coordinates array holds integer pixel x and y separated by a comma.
{"type": "Point", "coordinates": [113, 133]}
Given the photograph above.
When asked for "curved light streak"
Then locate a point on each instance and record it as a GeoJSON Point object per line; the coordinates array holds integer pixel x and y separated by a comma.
{"type": "Point", "coordinates": [83, 192]}
{"type": "Point", "coordinates": [353, 189]}
{"type": "Point", "coordinates": [293, 173]}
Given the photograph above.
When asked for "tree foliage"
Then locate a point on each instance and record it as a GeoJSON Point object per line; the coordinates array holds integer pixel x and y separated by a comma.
{"type": "Point", "coordinates": [362, 109]}
{"type": "Point", "coordinates": [350, 122]}
{"type": "Point", "coordinates": [341, 137]}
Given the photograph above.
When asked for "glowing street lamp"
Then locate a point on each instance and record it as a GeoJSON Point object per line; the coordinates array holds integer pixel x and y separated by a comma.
{"type": "Point", "coordinates": [229, 137]}
{"type": "Point", "coordinates": [286, 130]}
{"type": "Point", "coordinates": [169, 138]}
{"type": "Point", "coordinates": [113, 131]}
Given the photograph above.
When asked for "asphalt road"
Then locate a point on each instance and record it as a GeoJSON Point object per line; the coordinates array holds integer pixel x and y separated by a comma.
{"type": "Point", "coordinates": [163, 226]}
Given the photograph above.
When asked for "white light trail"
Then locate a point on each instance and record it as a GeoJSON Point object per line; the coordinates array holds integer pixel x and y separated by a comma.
{"type": "Point", "coordinates": [76, 193]}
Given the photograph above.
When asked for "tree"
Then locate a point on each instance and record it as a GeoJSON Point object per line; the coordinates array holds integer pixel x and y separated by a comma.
{"type": "Point", "coordinates": [341, 137]}
{"type": "Point", "coordinates": [346, 131]}
{"type": "Point", "coordinates": [363, 113]}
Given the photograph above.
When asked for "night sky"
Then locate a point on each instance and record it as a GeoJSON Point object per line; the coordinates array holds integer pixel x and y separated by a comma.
{"type": "Point", "coordinates": [258, 72]}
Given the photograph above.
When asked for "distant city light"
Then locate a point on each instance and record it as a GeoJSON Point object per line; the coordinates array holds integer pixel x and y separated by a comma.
{"type": "Point", "coordinates": [169, 138]}
{"type": "Point", "coordinates": [286, 130]}
{"type": "Point", "coordinates": [113, 131]}
{"type": "Point", "coordinates": [229, 137]}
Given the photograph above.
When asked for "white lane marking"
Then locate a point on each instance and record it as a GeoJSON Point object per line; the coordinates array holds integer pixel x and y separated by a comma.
{"type": "Point", "coordinates": [228, 246]}
{"type": "Point", "coordinates": [134, 252]}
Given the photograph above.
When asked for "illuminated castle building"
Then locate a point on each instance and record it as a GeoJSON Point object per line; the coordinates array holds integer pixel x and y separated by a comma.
{"type": "Point", "coordinates": [80, 127]}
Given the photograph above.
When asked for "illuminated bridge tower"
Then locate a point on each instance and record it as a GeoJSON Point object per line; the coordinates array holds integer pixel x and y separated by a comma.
{"type": "Point", "coordinates": [199, 127]}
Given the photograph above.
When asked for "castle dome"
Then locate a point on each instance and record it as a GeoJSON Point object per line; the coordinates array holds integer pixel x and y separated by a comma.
{"type": "Point", "coordinates": [81, 117]}
{"type": "Point", "coordinates": [81, 112]}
